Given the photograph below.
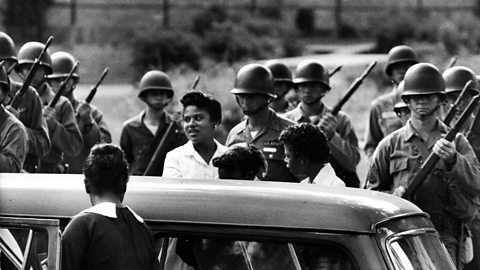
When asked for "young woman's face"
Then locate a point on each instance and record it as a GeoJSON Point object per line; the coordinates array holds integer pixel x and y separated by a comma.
{"type": "Point", "coordinates": [198, 125]}
{"type": "Point", "coordinates": [294, 163]}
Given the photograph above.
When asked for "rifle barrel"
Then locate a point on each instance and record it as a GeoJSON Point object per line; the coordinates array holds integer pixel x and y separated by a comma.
{"type": "Point", "coordinates": [62, 87]}
{"type": "Point", "coordinates": [335, 70]}
{"type": "Point", "coordinates": [195, 83]}
{"type": "Point", "coordinates": [93, 91]}
{"type": "Point", "coordinates": [451, 112]}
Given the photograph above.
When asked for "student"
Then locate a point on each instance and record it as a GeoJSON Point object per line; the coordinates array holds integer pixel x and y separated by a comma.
{"type": "Point", "coordinates": [201, 115]}
{"type": "Point", "coordinates": [307, 155]}
{"type": "Point", "coordinates": [242, 162]}
{"type": "Point", "coordinates": [142, 133]}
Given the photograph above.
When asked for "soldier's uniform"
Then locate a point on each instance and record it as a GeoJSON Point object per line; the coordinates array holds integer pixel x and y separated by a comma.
{"type": "Point", "coordinates": [399, 156]}
{"type": "Point", "coordinates": [382, 119]}
{"type": "Point", "coordinates": [252, 80]}
{"type": "Point", "coordinates": [138, 142]}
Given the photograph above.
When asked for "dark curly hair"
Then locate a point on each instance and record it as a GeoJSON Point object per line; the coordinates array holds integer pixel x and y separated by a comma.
{"type": "Point", "coordinates": [307, 141]}
{"type": "Point", "coordinates": [106, 169]}
{"type": "Point", "coordinates": [248, 158]}
{"type": "Point", "coordinates": [204, 101]}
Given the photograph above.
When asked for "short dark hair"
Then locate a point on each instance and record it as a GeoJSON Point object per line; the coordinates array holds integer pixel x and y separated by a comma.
{"type": "Point", "coordinates": [307, 141]}
{"type": "Point", "coordinates": [106, 169]}
{"type": "Point", "coordinates": [203, 101]}
{"type": "Point", "coordinates": [248, 158]}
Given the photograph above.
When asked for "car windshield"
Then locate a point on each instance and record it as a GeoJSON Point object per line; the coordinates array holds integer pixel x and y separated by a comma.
{"type": "Point", "coordinates": [419, 251]}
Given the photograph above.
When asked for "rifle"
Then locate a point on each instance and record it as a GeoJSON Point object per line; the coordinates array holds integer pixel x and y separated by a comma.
{"type": "Point", "coordinates": [31, 73]}
{"type": "Point", "coordinates": [94, 89]}
{"type": "Point", "coordinates": [335, 70]}
{"type": "Point", "coordinates": [452, 62]}
{"type": "Point", "coordinates": [451, 112]}
{"type": "Point", "coordinates": [12, 68]}
{"type": "Point", "coordinates": [160, 151]}
{"type": "Point", "coordinates": [432, 159]}
{"type": "Point", "coordinates": [353, 87]}
{"type": "Point", "coordinates": [62, 87]}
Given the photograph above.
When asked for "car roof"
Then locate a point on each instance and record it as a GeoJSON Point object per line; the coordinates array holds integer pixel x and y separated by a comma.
{"type": "Point", "coordinates": [227, 202]}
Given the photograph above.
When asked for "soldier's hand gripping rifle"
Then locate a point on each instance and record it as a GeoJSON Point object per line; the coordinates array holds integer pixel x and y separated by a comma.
{"type": "Point", "coordinates": [335, 70]}
{"type": "Point", "coordinates": [93, 91]}
{"type": "Point", "coordinates": [31, 74]}
{"type": "Point", "coordinates": [62, 87]}
{"type": "Point", "coordinates": [160, 151]}
{"type": "Point", "coordinates": [453, 110]}
{"type": "Point", "coordinates": [432, 159]}
{"type": "Point", "coordinates": [353, 87]}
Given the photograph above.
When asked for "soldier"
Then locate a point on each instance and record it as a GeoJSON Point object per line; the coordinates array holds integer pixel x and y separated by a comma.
{"type": "Point", "coordinates": [312, 82]}
{"type": "Point", "coordinates": [13, 136]}
{"type": "Point", "coordinates": [28, 109]}
{"type": "Point", "coordinates": [382, 120]}
{"type": "Point", "coordinates": [399, 156]}
{"type": "Point", "coordinates": [89, 118]}
{"type": "Point", "coordinates": [254, 90]}
{"type": "Point", "coordinates": [401, 108]}
{"type": "Point", "coordinates": [142, 134]}
{"type": "Point", "coordinates": [65, 137]}
{"type": "Point", "coordinates": [282, 81]}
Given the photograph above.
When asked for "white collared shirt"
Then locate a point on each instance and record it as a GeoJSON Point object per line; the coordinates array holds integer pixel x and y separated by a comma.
{"type": "Point", "coordinates": [108, 209]}
{"type": "Point", "coordinates": [326, 177]}
{"type": "Point", "coordinates": [185, 162]}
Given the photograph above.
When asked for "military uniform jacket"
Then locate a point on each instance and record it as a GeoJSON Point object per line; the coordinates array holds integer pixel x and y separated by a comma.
{"type": "Point", "coordinates": [63, 130]}
{"type": "Point", "coordinates": [382, 120]}
{"type": "Point", "coordinates": [267, 141]}
{"type": "Point", "coordinates": [30, 114]}
{"type": "Point", "coordinates": [343, 144]}
{"type": "Point", "coordinates": [13, 142]}
{"type": "Point", "coordinates": [139, 144]}
{"type": "Point", "coordinates": [91, 134]}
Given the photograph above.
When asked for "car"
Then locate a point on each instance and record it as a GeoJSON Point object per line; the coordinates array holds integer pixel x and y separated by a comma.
{"type": "Point", "coordinates": [229, 224]}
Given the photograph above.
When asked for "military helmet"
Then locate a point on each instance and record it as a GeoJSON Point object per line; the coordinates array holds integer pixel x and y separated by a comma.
{"type": "Point", "coordinates": [456, 78]}
{"type": "Point", "coordinates": [30, 51]}
{"type": "Point", "coordinates": [62, 64]}
{"type": "Point", "coordinates": [254, 79]}
{"type": "Point", "coordinates": [280, 71]}
{"type": "Point", "coordinates": [399, 54]}
{"type": "Point", "coordinates": [155, 80]}
{"type": "Point", "coordinates": [423, 79]}
{"type": "Point", "coordinates": [311, 71]}
{"type": "Point", "coordinates": [7, 47]}
{"type": "Point", "coordinates": [4, 80]}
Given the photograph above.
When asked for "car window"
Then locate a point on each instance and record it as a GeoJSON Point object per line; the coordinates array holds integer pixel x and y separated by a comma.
{"type": "Point", "coordinates": [20, 243]}
{"type": "Point", "coordinates": [196, 253]}
{"type": "Point", "coordinates": [410, 252]}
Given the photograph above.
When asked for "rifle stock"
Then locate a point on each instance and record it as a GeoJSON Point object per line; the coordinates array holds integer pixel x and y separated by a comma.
{"type": "Point", "coordinates": [451, 112]}
{"type": "Point", "coordinates": [432, 159]}
{"type": "Point", "coordinates": [93, 91]}
{"type": "Point", "coordinates": [62, 87]}
{"type": "Point", "coordinates": [353, 87]}
{"type": "Point", "coordinates": [335, 70]}
{"type": "Point", "coordinates": [31, 74]}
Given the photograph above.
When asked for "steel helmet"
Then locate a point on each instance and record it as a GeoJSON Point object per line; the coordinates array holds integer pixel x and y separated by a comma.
{"type": "Point", "coordinates": [62, 64]}
{"type": "Point", "coordinates": [4, 80]}
{"type": "Point", "coordinates": [311, 71]}
{"type": "Point", "coordinates": [254, 79]}
{"type": "Point", "coordinates": [280, 71]}
{"type": "Point", "coordinates": [423, 79]}
{"type": "Point", "coordinates": [7, 47]}
{"type": "Point", "coordinates": [30, 51]}
{"type": "Point", "coordinates": [399, 54]}
{"type": "Point", "coordinates": [456, 78]}
{"type": "Point", "coordinates": [155, 80]}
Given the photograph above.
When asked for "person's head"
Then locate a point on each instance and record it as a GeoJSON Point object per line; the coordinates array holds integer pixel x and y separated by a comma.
{"type": "Point", "coordinates": [305, 144]}
{"type": "Point", "coordinates": [400, 59]}
{"type": "Point", "coordinates": [62, 64]}
{"type": "Point", "coordinates": [455, 80]}
{"type": "Point", "coordinates": [242, 162]}
{"type": "Point", "coordinates": [156, 89]}
{"type": "Point", "coordinates": [201, 114]}
{"type": "Point", "coordinates": [282, 77]}
{"type": "Point", "coordinates": [4, 84]}
{"type": "Point", "coordinates": [312, 81]}
{"type": "Point", "coordinates": [106, 171]}
{"type": "Point", "coordinates": [424, 90]}
{"type": "Point", "coordinates": [26, 57]}
{"type": "Point", "coordinates": [254, 88]}
{"type": "Point", "coordinates": [7, 50]}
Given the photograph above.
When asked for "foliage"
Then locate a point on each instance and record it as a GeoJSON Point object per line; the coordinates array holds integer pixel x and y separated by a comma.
{"type": "Point", "coordinates": [25, 20]}
{"type": "Point", "coordinates": [204, 20]}
{"type": "Point", "coordinates": [394, 29]}
{"type": "Point", "coordinates": [305, 20]}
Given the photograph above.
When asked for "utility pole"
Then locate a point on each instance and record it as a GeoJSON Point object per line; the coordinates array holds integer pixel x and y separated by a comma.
{"type": "Point", "coordinates": [73, 22]}
{"type": "Point", "coordinates": [166, 13]}
{"type": "Point", "coordinates": [338, 16]}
